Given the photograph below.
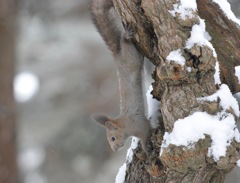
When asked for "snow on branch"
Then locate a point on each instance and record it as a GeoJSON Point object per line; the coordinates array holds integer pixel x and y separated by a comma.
{"type": "Point", "coordinates": [227, 100]}
{"type": "Point", "coordinates": [220, 127]}
{"type": "Point", "coordinates": [226, 8]}
{"type": "Point", "coordinates": [184, 8]}
{"type": "Point", "coordinates": [120, 178]}
{"type": "Point", "coordinates": [186, 132]}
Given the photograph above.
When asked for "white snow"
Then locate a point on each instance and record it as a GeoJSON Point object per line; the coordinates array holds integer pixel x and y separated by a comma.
{"type": "Point", "coordinates": [200, 36]}
{"type": "Point", "coordinates": [133, 146]}
{"type": "Point", "coordinates": [152, 105]}
{"type": "Point", "coordinates": [226, 8]}
{"type": "Point", "coordinates": [120, 178]}
{"type": "Point", "coordinates": [238, 163]}
{"type": "Point", "coordinates": [237, 73]}
{"type": "Point", "coordinates": [186, 132]}
{"type": "Point", "coordinates": [176, 56]}
{"type": "Point", "coordinates": [184, 8]}
{"type": "Point", "coordinates": [226, 99]}
{"type": "Point", "coordinates": [153, 108]}
{"type": "Point", "coordinates": [26, 85]}
{"type": "Point", "coordinates": [189, 69]}
{"type": "Point", "coordinates": [221, 127]}
{"type": "Point", "coordinates": [217, 73]}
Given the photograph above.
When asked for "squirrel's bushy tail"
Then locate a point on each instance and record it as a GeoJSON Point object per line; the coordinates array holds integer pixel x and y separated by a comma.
{"type": "Point", "coordinates": [107, 23]}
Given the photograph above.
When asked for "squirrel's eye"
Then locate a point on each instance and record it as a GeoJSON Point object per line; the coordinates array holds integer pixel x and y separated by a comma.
{"type": "Point", "coordinates": [113, 139]}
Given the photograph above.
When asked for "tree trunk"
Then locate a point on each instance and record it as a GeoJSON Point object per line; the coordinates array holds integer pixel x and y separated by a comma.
{"type": "Point", "coordinates": [8, 166]}
{"type": "Point", "coordinates": [158, 33]}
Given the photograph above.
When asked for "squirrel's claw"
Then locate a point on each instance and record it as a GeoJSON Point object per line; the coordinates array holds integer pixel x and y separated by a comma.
{"type": "Point", "coordinates": [129, 32]}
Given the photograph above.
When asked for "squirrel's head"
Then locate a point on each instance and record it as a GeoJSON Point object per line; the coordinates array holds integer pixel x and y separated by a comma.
{"type": "Point", "coordinates": [116, 133]}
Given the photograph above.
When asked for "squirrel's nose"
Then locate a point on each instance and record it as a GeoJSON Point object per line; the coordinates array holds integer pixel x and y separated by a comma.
{"type": "Point", "coordinates": [114, 148]}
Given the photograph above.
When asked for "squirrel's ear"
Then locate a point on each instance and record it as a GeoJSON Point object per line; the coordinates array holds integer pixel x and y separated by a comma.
{"type": "Point", "coordinates": [103, 120]}
{"type": "Point", "coordinates": [110, 125]}
{"type": "Point", "coordinates": [100, 119]}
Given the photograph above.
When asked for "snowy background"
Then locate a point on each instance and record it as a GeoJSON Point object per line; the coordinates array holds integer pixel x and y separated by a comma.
{"type": "Point", "coordinates": [64, 73]}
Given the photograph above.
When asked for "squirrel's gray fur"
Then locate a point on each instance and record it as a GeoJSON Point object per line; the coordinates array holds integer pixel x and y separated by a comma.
{"type": "Point", "coordinates": [129, 63]}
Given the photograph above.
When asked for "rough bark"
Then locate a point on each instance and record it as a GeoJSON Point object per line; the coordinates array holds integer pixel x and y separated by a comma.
{"type": "Point", "coordinates": [226, 40]}
{"type": "Point", "coordinates": [8, 166]}
{"type": "Point", "coordinates": [158, 33]}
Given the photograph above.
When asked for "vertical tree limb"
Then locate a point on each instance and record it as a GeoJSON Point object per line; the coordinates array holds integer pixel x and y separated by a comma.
{"type": "Point", "coordinates": [8, 166]}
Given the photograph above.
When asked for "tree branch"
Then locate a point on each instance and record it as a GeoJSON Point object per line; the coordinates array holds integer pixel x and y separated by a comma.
{"type": "Point", "coordinates": [178, 87]}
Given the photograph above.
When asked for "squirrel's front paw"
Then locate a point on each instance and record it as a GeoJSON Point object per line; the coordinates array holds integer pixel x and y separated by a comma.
{"type": "Point", "coordinates": [129, 32]}
{"type": "Point", "coordinates": [147, 146]}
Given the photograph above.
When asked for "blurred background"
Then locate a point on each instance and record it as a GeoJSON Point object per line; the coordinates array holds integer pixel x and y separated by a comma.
{"type": "Point", "coordinates": [64, 73]}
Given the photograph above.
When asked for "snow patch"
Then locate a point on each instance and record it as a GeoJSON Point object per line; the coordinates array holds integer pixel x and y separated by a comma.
{"type": "Point", "coordinates": [120, 178]}
{"type": "Point", "coordinates": [153, 108]}
{"type": "Point", "coordinates": [226, 99]}
{"type": "Point", "coordinates": [184, 8]}
{"type": "Point", "coordinates": [200, 36]}
{"type": "Point", "coordinates": [133, 146]}
{"type": "Point", "coordinates": [186, 132]}
{"type": "Point", "coordinates": [217, 74]}
{"type": "Point", "coordinates": [189, 69]}
{"type": "Point", "coordinates": [177, 57]}
{"type": "Point", "coordinates": [238, 163]}
{"type": "Point", "coordinates": [226, 8]}
{"type": "Point", "coordinates": [237, 73]}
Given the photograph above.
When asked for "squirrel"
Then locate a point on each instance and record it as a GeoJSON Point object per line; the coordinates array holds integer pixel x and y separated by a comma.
{"type": "Point", "coordinates": [129, 63]}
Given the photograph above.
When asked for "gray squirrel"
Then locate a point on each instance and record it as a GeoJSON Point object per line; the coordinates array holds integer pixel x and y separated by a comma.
{"type": "Point", "coordinates": [129, 63]}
